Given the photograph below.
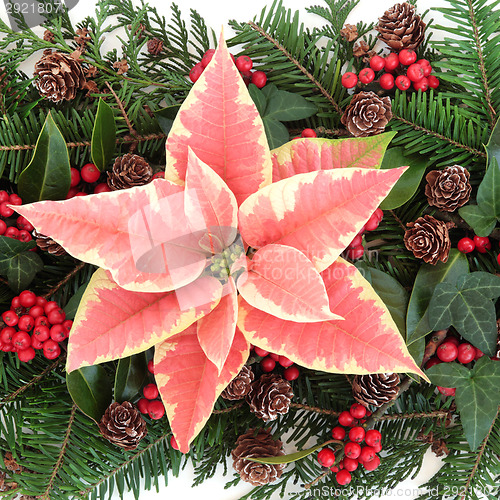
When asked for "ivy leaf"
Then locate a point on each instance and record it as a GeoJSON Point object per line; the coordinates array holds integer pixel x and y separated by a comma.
{"type": "Point", "coordinates": [277, 134]}
{"type": "Point", "coordinates": [48, 175]}
{"type": "Point", "coordinates": [10, 248]}
{"type": "Point", "coordinates": [483, 224]}
{"type": "Point", "coordinates": [90, 389]}
{"type": "Point", "coordinates": [22, 270]}
{"type": "Point", "coordinates": [428, 277]}
{"type": "Point", "coordinates": [166, 117]}
{"type": "Point", "coordinates": [131, 375]}
{"type": "Point", "coordinates": [103, 142]}
{"type": "Point", "coordinates": [450, 375]}
{"type": "Point", "coordinates": [466, 305]}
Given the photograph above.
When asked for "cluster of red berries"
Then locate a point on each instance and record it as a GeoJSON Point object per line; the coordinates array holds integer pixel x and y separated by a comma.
{"type": "Point", "coordinates": [20, 229]}
{"type": "Point", "coordinates": [45, 320]}
{"type": "Point", "coordinates": [480, 243]}
{"type": "Point", "coordinates": [89, 174]}
{"type": "Point", "coordinates": [418, 73]}
{"type": "Point", "coordinates": [269, 360]}
{"type": "Point", "coordinates": [452, 349]}
{"type": "Point", "coordinates": [355, 250]}
{"type": "Point", "coordinates": [149, 403]}
{"type": "Point", "coordinates": [243, 63]}
{"type": "Point", "coordinates": [353, 453]}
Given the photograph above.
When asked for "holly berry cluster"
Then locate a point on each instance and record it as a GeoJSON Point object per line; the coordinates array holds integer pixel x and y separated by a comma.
{"type": "Point", "coordinates": [269, 360]}
{"type": "Point", "coordinates": [454, 349]}
{"type": "Point", "coordinates": [81, 180]}
{"type": "Point", "coordinates": [34, 323]}
{"type": "Point", "coordinates": [401, 69]}
{"type": "Point", "coordinates": [355, 250]}
{"type": "Point", "coordinates": [353, 451]}
{"type": "Point", "coordinates": [150, 403]}
{"type": "Point", "coordinates": [480, 243]}
{"type": "Point", "coordinates": [16, 228]}
{"type": "Point", "coordinates": [243, 63]}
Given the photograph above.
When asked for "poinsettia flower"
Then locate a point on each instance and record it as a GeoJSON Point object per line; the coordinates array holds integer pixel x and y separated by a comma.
{"type": "Point", "coordinates": [173, 271]}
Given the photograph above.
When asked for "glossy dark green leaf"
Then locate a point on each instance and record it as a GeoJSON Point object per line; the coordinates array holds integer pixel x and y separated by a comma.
{"type": "Point", "coordinates": [258, 98]}
{"type": "Point", "coordinates": [166, 117]}
{"type": "Point", "coordinates": [450, 375]}
{"type": "Point", "coordinates": [276, 133]}
{"type": "Point", "coordinates": [408, 183]}
{"type": "Point", "coordinates": [428, 277]}
{"type": "Point", "coordinates": [48, 175]}
{"type": "Point", "coordinates": [493, 146]}
{"type": "Point", "coordinates": [286, 106]}
{"type": "Point", "coordinates": [10, 248]}
{"type": "Point", "coordinates": [103, 144]}
{"type": "Point", "coordinates": [131, 376]}
{"type": "Point", "coordinates": [482, 224]}
{"type": "Point", "coordinates": [91, 389]}
{"type": "Point", "coordinates": [73, 303]}
{"type": "Point", "coordinates": [22, 270]}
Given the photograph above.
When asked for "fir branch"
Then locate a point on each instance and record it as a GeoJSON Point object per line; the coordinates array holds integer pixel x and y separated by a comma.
{"type": "Point", "coordinates": [299, 406]}
{"type": "Point", "coordinates": [75, 271]}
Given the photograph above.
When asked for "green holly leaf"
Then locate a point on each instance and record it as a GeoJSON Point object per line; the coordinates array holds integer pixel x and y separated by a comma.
{"type": "Point", "coordinates": [131, 376]}
{"type": "Point", "coordinates": [48, 175]}
{"type": "Point", "coordinates": [466, 305]}
{"type": "Point", "coordinates": [428, 277]}
{"type": "Point", "coordinates": [103, 143]}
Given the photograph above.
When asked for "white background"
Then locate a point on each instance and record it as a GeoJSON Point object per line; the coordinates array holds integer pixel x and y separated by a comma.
{"type": "Point", "coordinates": [216, 14]}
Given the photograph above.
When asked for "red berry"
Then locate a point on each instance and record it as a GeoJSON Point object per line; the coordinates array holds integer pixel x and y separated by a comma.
{"type": "Point", "coordinates": [447, 352]}
{"type": "Point", "coordinates": [150, 391]}
{"type": "Point", "coordinates": [498, 259]}
{"type": "Point", "coordinates": [466, 353]}
{"type": "Point", "coordinates": [373, 222]}
{"type": "Point", "coordinates": [426, 65]}
{"type": "Point", "coordinates": [49, 306]}
{"type": "Point", "coordinates": [207, 57]}
{"type": "Point", "coordinates": [377, 63]}
{"type": "Point", "coordinates": [433, 361]}
{"type": "Point", "coordinates": [373, 437]}
{"type": "Point", "coordinates": [260, 352]}
{"type": "Point", "coordinates": [102, 188]}
{"type": "Point", "coordinates": [479, 354]}
{"type": "Point", "coordinates": [291, 373]}
{"type": "Point", "coordinates": [26, 323]}
{"type": "Point", "coordinates": [26, 355]}
{"type": "Point", "coordinates": [483, 243]}
{"type": "Point", "coordinates": [173, 443]}
{"type": "Point", "coordinates": [15, 303]}
{"type": "Point", "coordinates": [334, 468]}
{"type": "Point", "coordinates": [57, 333]}
{"type": "Point", "coordinates": [356, 242]}
{"type": "Point", "coordinates": [10, 318]}
{"type": "Point", "coordinates": [350, 464]}
{"type": "Point", "coordinates": [247, 77]}
{"type": "Point", "coordinates": [75, 177]}
{"type": "Point", "coordinates": [41, 301]}
{"type": "Point", "coordinates": [90, 173]}
{"type": "Point", "coordinates": [343, 477]}
{"type": "Point", "coordinates": [14, 199]}
{"type": "Point", "coordinates": [24, 236]}
{"type": "Point", "coordinates": [407, 57]}
{"type": "Point", "coordinates": [284, 361]}
{"type": "Point", "coordinates": [27, 298]}
{"type": "Point", "coordinates": [4, 196]}
{"type": "Point", "coordinates": [326, 457]}
{"type": "Point", "coordinates": [352, 449]}
{"type": "Point", "coordinates": [391, 62]}
{"type": "Point", "coordinates": [446, 391]}
{"type": "Point", "coordinates": [338, 433]}
{"type": "Point", "coordinates": [403, 82]}
{"type": "Point", "coordinates": [12, 232]}
{"type": "Point", "coordinates": [151, 367]}
{"type": "Point", "coordinates": [308, 132]}
{"type": "Point", "coordinates": [466, 245]}
{"type": "Point", "coordinates": [244, 63]}
{"type": "Point", "coordinates": [259, 79]}
{"type": "Point", "coordinates": [357, 410]}
{"type": "Point", "coordinates": [41, 333]}
{"type": "Point", "coordinates": [274, 356]}
{"type": "Point", "coordinates": [5, 211]}
{"type": "Point", "coordinates": [367, 454]}
{"type": "Point", "coordinates": [6, 334]}
{"type": "Point", "coordinates": [357, 434]}
{"type": "Point", "coordinates": [452, 339]}
{"type": "Point", "coordinates": [372, 464]}
{"type": "Point", "coordinates": [67, 324]}
{"type": "Point", "coordinates": [56, 316]}
{"type": "Point", "coordinates": [387, 81]}
{"type": "Point", "coordinates": [21, 340]}
{"type": "Point", "coordinates": [349, 80]}
{"type": "Point", "coordinates": [3, 227]}
{"type": "Point", "coordinates": [355, 253]}
{"type": "Point", "coordinates": [24, 223]}
{"type": "Point", "coordinates": [51, 349]}
{"type": "Point", "coordinates": [267, 364]}
{"type": "Point", "coordinates": [415, 72]}
{"type": "Point", "coordinates": [142, 405]}
{"type": "Point", "coordinates": [36, 344]}
{"type": "Point", "coordinates": [159, 175]}
{"type": "Point", "coordinates": [346, 419]}
{"type": "Point", "coordinates": [366, 75]}
{"type": "Point", "coordinates": [72, 193]}
{"type": "Point", "coordinates": [422, 85]}
{"type": "Point", "coordinates": [433, 82]}
{"type": "Point", "coordinates": [156, 410]}
{"type": "Point", "coordinates": [81, 193]}
{"type": "Point", "coordinates": [42, 320]}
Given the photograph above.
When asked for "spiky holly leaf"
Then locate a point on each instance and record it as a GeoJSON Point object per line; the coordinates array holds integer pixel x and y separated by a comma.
{"type": "Point", "coordinates": [221, 124]}
{"type": "Point", "coordinates": [366, 341]}
{"type": "Point", "coordinates": [113, 323]}
{"type": "Point", "coordinates": [318, 213]}
{"type": "Point", "coordinates": [189, 383]}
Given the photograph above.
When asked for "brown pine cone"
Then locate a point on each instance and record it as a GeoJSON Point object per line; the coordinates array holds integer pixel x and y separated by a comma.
{"type": "Point", "coordinates": [270, 395]}
{"type": "Point", "coordinates": [123, 425]}
{"type": "Point", "coordinates": [367, 114]}
{"type": "Point", "coordinates": [155, 46]}
{"type": "Point", "coordinates": [401, 28]}
{"type": "Point", "coordinates": [258, 443]}
{"type": "Point", "coordinates": [375, 389]}
{"type": "Point", "coordinates": [448, 189]}
{"type": "Point", "coordinates": [58, 76]}
{"type": "Point", "coordinates": [360, 49]}
{"type": "Point", "coordinates": [48, 36]}
{"type": "Point", "coordinates": [240, 386]}
{"type": "Point", "coordinates": [349, 32]}
{"type": "Point", "coordinates": [129, 171]}
{"type": "Point", "coordinates": [47, 244]}
{"type": "Point", "coordinates": [428, 239]}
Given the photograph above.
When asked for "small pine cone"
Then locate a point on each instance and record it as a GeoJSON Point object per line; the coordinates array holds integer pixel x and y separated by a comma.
{"type": "Point", "coordinates": [448, 189]}
{"type": "Point", "coordinates": [240, 386]}
{"type": "Point", "coordinates": [360, 49]}
{"type": "Point", "coordinates": [375, 389]}
{"type": "Point", "coordinates": [349, 32]}
{"type": "Point", "coordinates": [123, 425]}
{"type": "Point", "coordinates": [48, 36]}
{"type": "Point", "coordinates": [401, 28]}
{"type": "Point", "coordinates": [367, 114]}
{"type": "Point", "coordinates": [270, 395]}
{"type": "Point", "coordinates": [155, 46]}
{"type": "Point", "coordinates": [129, 171]}
{"type": "Point", "coordinates": [58, 76]}
{"type": "Point", "coordinates": [258, 443]}
{"type": "Point", "coordinates": [428, 239]}
{"type": "Point", "coordinates": [47, 244]}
